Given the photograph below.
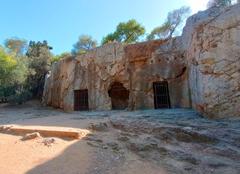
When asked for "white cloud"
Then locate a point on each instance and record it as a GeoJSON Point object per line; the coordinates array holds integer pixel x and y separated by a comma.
{"type": "Point", "coordinates": [197, 5]}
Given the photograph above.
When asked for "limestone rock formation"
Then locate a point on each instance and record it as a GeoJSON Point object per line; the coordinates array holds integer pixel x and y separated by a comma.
{"type": "Point", "coordinates": [126, 71]}
{"type": "Point", "coordinates": [210, 49]}
{"type": "Point", "coordinates": [213, 56]}
{"type": "Point", "coordinates": [201, 69]}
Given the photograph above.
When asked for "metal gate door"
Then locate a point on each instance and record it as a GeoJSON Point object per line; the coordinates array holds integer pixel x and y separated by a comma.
{"type": "Point", "coordinates": [161, 95]}
{"type": "Point", "coordinates": [81, 100]}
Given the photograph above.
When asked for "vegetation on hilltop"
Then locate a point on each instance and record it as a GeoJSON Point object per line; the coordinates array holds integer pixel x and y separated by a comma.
{"type": "Point", "coordinates": [84, 44]}
{"type": "Point", "coordinates": [169, 28]}
{"type": "Point", "coordinates": [128, 32]}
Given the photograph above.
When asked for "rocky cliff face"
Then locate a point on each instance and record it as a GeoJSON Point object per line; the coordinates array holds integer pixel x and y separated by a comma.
{"type": "Point", "coordinates": [148, 64]}
{"type": "Point", "coordinates": [213, 53]}
{"type": "Point", "coordinates": [202, 68]}
{"type": "Point", "coordinates": [94, 71]}
{"type": "Point", "coordinates": [210, 50]}
{"type": "Point", "coordinates": [133, 68]}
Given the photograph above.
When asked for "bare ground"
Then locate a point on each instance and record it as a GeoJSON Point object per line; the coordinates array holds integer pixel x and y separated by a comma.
{"type": "Point", "coordinates": [121, 142]}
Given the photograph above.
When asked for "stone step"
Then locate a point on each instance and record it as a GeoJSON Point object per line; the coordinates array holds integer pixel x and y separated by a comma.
{"type": "Point", "coordinates": [45, 131]}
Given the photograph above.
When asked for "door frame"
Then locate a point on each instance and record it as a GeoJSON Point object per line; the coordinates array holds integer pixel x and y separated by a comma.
{"type": "Point", "coordinates": [165, 94]}
{"type": "Point", "coordinates": [81, 100]}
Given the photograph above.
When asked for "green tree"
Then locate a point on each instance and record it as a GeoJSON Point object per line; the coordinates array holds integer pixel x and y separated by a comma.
{"type": "Point", "coordinates": [61, 56]}
{"type": "Point", "coordinates": [16, 46]}
{"type": "Point", "coordinates": [160, 32]}
{"type": "Point", "coordinates": [170, 27]}
{"type": "Point", "coordinates": [109, 38]}
{"type": "Point", "coordinates": [23, 76]}
{"type": "Point", "coordinates": [128, 32]}
{"type": "Point", "coordinates": [7, 65]}
{"type": "Point", "coordinates": [219, 3]}
{"type": "Point", "coordinates": [19, 91]}
{"type": "Point", "coordinates": [39, 61]}
{"type": "Point", "coordinates": [13, 72]}
{"type": "Point", "coordinates": [84, 44]}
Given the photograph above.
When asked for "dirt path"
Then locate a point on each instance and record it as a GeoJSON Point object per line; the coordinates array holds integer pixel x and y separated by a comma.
{"type": "Point", "coordinates": [152, 142]}
{"type": "Point", "coordinates": [25, 157]}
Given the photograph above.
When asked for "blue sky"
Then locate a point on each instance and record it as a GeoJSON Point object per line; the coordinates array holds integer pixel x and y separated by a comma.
{"type": "Point", "coordinates": [61, 22]}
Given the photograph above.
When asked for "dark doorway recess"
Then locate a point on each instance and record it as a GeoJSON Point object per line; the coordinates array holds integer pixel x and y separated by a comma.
{"type": "Point", "coordinates": [81, 100]}
{"type": "Point", "coordinates": [119, 96]}
{"type": "Point", "coordinates": [161, 95]}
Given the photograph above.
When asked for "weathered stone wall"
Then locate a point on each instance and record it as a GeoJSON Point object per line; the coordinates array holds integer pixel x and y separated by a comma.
{"type": "Point", "coordinates": [173, 63]}
{"type": "Point", "coordinates": [97, 70]}
{"type": "Point", "coordinates": [210, 48]}
{"type": "Point", "coordinates": [213, 54]}
{"type": "Point", "coordinates": [146, 65]}
{"type": "Point", "coordinates": [202, 68]}
{"type": "Point", "coordinates": [94, 71]}
{"type": "Point", "coordinates": [58, 85]}
{"type": "Point", "coordinates": [136, 66]}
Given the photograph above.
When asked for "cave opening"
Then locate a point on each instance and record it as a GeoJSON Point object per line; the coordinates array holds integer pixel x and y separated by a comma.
{"type": "Point", "coordinates": [119, 96]}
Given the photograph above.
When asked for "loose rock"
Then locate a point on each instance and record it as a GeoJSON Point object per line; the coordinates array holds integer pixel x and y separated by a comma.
{"type": "Point", "coordinates": [99, 127]}
{"type": "Point", "coordinates": [48, 141]}
{"type": "Point", "coordinates": [31, 136]}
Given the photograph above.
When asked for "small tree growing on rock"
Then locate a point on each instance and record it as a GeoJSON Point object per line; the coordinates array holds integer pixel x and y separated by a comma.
{"type": "Point", "coordinates": [84, 44]}
{"type": "Point", "coordinates": [61, 56]}
{"type": "Point", "coordinates": [126, 32]}
{"type": "Point", "coordinates": [172, 23]}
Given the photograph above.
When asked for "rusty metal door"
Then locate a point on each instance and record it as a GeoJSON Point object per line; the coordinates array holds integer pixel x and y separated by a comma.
{"type": "Point", "coordinates": [81, 100]}
{"type": "Point", "coordinates": [161, 95]}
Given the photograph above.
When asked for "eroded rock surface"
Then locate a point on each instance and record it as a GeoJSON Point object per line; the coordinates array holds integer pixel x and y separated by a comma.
{"type": "Point", "coordinates": [210, 47]}
{"type": "Point", "coordinates": [150, 141]}
{"type": "Point", "coordinates": [179, 141]}
{"type": "Point", "coordinates": [214, 64]}
{"type": "Point", "coordinates": [134, 68]}
{"type": "Point", "coordinates": [201, 68]}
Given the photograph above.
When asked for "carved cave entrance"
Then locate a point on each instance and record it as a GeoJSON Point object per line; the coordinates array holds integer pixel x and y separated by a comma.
{"type": "Point", "coordinates": [81, 100]}
{"type": "Point", "coordinates": [161, 95]}
{"type": "Point", "coordinates": [119, 96]}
